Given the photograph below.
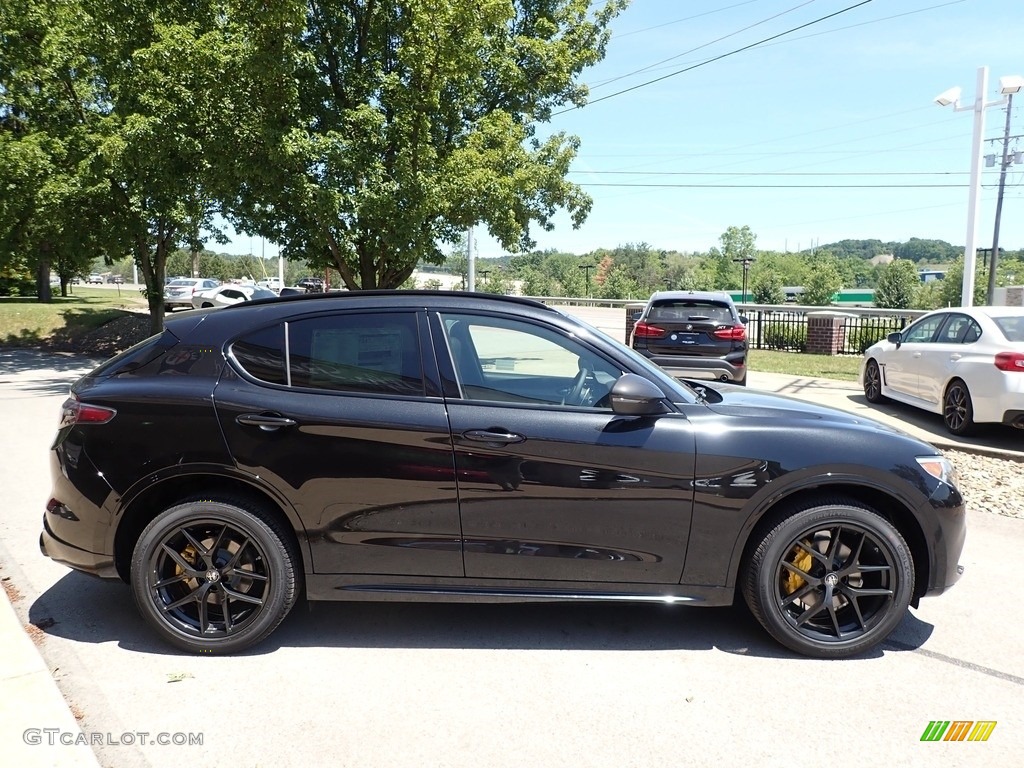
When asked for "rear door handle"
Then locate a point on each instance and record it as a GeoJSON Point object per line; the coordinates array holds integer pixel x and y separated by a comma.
{"type": "Point", "coordinates": [265, 421]}
{"type": "Point", "coordinates": [955, 356]}
{"type": "Point", "coordinates": [493, 436]}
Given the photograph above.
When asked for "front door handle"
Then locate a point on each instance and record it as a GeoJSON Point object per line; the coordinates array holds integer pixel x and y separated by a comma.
{"type": "Point", "coordinates": [493, 435]}
{"type": "Point", "coordinates": [265, 421]}
{"type": "Point", "coordinates": [955, 356]}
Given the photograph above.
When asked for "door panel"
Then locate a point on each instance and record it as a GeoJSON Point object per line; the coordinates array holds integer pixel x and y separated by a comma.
{"type": "Point", "coordinates": [583, 496]}
{"type": "Point", "coordinates": [373, 475]}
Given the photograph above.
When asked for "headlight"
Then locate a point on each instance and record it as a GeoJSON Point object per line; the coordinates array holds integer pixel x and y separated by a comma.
{"type": "Point", "coordinates": [938, 467]}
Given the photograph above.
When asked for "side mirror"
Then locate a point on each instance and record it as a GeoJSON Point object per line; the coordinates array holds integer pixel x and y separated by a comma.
{"type": "Point", "coordinates": [633, 395]}
{"type": "Point", "coordinates": [744, 319]}
{"type": "Point", "coordinates": [895, 338]}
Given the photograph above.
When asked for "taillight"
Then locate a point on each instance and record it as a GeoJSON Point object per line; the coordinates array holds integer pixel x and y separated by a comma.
{"type": "Point", "coordinates": [76, 412]}
{"type": "Point", "coordinates": [731, 333]}
{"type": "Point", "coordinates": [1010, 361]}
{"type": "Point", "coordinates": [645, 331]}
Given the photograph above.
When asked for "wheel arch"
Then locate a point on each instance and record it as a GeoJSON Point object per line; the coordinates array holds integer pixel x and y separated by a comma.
{"type": "Point", "coordinates": [889, 506]}
{"type": "Point", "coordinates": [143, 508]}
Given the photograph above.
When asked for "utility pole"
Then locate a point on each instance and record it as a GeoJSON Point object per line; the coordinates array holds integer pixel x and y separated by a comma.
{"type": "Point", "coordinates": [586, 271]}
{"type": "Point", "coordinates": [990, 295]}
{"type": "Point", "coordinates": [470, 262]}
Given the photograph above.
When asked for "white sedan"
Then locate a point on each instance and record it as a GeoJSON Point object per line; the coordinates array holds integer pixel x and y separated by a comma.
{"type": "Point", "coordinates": [228, 294]}
{"type": "Point", "coordinates": [965, 363]}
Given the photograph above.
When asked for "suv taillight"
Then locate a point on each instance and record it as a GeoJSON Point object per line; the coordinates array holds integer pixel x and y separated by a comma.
{"type": "Point", "coordinates": [76, 412]}
{"type": "Point", "coordinates": [731, 333]}
{"type": "Point", "coordinates": [644, 331]}
{"type": "Point", "coordinates": [1010, 361]}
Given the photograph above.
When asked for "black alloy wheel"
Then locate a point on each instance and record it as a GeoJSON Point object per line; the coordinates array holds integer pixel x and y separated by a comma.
{"type": "Point", "coordinates": [831, 581]}
{"type": "Point", "coordinates": [873, 383]}
{"type": "Point", "coordinates": [957, 409]}
{"type": "Point", "coordinates": [214, 576]}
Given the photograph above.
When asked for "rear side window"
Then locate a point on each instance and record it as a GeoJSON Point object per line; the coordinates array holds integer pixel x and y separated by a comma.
{"type": "Point", "coordinates": [691, 312]}
{"type": "Point", "coordinates": [261, 354]}
{"type": "Point", "coordinates": [371, 353]}
{"type": "Point", "coordinates": [1012, 327]}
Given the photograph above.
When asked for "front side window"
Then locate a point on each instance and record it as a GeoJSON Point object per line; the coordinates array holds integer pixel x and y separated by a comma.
{"type": "Point", "coordinates": [504, 360]}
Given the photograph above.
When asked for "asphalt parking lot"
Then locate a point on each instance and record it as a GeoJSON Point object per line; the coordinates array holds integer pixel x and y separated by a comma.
{"type": "Point", "coordinates": [465, 685]}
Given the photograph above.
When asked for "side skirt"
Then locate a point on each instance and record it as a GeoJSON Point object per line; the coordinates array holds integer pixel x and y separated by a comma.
{"type": "Point", "coordinates": [407, 589]}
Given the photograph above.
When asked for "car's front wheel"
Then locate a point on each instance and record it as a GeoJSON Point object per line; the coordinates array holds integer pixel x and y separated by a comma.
{"type": "Point", "coordinates": [873, 383]}
{"type": "Point", "coordinates": [831, 580]}
{"type": "Point", "coordinates": [957, 408]}
{"type": "Point", "coordinates": [215, 576]}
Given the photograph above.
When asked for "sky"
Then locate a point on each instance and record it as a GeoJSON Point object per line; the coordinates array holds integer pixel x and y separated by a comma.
{"type": "Point", "coordinates": [807, 129]}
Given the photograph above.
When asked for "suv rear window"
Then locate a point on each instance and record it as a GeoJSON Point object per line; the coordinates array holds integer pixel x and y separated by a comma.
{"type": "Point", "coordinates": [691, 311]}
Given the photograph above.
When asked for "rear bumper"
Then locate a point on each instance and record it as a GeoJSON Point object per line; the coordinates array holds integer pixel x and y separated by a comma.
{"type": "Point", "coordinates": [707, 368]}
{"type": "Point", "coordinates": [73, 557]}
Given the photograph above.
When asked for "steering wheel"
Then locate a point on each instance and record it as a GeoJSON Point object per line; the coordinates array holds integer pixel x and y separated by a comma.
{"type": "Point", "coordinates": [574, 395]}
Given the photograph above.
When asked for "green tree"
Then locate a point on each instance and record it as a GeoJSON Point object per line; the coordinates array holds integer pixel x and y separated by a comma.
{"type": "Point", "coordinates": [897, 285]}
{"type": "Point", "coordinates": [823, 280]}
{"type": "Point", "coordinates": [953, 284]}
{"type": "Point", "coordinates": [371, 134]}
{"type": "Point", "coordinates": [766, 288]}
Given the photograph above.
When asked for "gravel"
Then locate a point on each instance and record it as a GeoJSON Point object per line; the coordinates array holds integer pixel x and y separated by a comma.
{"type": "Point", "coordinates": [990, 484]}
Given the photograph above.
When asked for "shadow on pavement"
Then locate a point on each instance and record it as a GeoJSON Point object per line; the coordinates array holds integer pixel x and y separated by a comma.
{"type": "Point", "coordinates": [84, 609]}
{"type": "Point", "coordinates": [39, 372]}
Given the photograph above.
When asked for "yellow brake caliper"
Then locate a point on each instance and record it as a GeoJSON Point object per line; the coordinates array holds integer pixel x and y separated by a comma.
{"type": "Point", "coordinates": [802, 559]}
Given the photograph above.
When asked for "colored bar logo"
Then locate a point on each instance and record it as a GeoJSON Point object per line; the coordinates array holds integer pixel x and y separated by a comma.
{"type": "Point", "coordinates": [958, 730]}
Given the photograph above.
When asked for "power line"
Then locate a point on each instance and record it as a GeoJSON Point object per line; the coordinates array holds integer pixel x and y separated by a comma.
{"type": "Point", "coordinates": [720, 57]}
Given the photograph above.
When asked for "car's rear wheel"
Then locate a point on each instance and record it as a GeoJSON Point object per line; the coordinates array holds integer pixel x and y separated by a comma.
{"type": "Point", "coordinates": [831, 580]}
{"type": "Point", "coordinates": [215, 576]}
{"type": "Point", "coordinates": [873, 383]}
{"type": "Point", "coordinates": [957, 408]}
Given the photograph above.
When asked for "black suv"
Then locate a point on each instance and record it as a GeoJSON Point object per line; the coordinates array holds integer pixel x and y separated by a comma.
{"type": "Point", "coordinates": [311, 284]}
{"type": "Point", "coordinates": [694, 335]}
{"type": "Point", "coordinates": [427, 445]}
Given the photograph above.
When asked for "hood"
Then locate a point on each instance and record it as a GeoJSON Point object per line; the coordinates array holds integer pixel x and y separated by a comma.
{"type": "Point", "coordinates": [752, 404]}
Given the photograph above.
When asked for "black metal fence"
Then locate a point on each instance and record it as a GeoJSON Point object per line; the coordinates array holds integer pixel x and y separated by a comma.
{"type": "Point", "coordinates": [785, 328]}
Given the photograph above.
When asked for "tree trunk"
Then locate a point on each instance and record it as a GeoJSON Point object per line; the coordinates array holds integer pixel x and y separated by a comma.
{"type": "Point", "coordinates": [43, 277]}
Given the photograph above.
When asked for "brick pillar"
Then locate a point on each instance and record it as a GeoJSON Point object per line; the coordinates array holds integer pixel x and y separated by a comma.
{"type": "Point", "coordinates": [633, 311]}
{"type": "Point", "coordinates": [826, 332]}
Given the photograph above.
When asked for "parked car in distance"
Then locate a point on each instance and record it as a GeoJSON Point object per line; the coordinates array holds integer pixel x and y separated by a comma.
{"type": "Point", "coordinates": [95, 279]}
{"type": "Point", "coordinates": [228, 294]}
{"type": "Point", "coordinates": [179, 292]}
{"type": "Point", "coordinates": [271, 283]}
{"type": "Point", "coordinates": [965, 363]}
{"type": "Point", "coordinates": [115, 279]}
{"type": "Point", "coordinates": [311, 284]}
{"type": "Point", "coordinates": [693, 335]}
{"type": "Point", "coordinates": [427, 445]}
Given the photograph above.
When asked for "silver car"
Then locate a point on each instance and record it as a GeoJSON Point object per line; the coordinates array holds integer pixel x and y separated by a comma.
{"type": "Point", "coordinates": [228, 294]}
{"type": "Point", "coordinates": [179, 292]}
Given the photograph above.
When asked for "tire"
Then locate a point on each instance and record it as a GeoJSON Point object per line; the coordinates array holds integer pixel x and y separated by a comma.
{"type": "Point", "coordinates": [873, 383]}
{"type": "Point", "coordinates": [215, 576]}
{"type": "Point", "coordinates": [807, 584]}
{"type": "Point", "coordinates": [957, 409]}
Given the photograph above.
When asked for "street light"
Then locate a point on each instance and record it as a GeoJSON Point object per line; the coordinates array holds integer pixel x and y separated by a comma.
{"type": "Point", "coordinates": [746, 262]}
{"type": "Point", "coordinates": [587, 268]}
{"type": "Point", "coordinates": [952, 97]}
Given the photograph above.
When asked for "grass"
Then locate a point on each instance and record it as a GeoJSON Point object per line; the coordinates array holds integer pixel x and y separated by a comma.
{"type": "Point", "coordinates": [24, 322]}
{"type": "Point", "coordinates": [842, 367]}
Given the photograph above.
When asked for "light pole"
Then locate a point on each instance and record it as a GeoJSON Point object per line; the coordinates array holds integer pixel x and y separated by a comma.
{"type": "Point", "coordinates": [952, 96]}
{"type": "Point", "coordinates": [586, 271]}
{"type": "Point", "coordinates": [746, 262]}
